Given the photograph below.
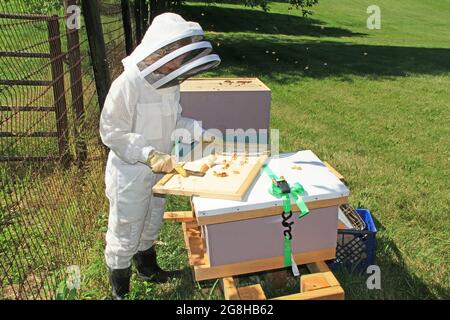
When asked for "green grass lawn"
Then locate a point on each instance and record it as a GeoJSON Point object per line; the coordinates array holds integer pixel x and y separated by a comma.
{"type": "Point", "coordinates": [375, 103]}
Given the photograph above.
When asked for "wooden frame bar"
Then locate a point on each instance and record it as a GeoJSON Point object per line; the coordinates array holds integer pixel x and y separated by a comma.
{"type": "Point", "coordinates": [272, 211]}
{"type": "Point", "coordinates": [334, 171]}
{"type": "Point", "coordinates": [179, 216]}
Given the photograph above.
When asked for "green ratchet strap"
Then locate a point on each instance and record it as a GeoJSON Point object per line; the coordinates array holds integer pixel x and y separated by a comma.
{"type": "Point", "coordinates": [296, 191]}
{"type": "Point", "coordinates": [287, 252]}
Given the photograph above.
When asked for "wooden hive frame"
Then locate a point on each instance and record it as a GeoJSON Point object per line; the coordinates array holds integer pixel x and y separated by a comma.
{"type": "Point", "coordinates": [190, 190]}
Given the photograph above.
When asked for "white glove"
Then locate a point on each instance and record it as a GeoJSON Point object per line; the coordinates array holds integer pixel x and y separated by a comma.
{"type": "Point", "coordinates": [161, 162]}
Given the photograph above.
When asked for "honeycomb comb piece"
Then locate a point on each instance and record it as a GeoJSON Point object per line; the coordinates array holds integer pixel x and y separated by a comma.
{"type": "Point", "coordinates": [180, 170]}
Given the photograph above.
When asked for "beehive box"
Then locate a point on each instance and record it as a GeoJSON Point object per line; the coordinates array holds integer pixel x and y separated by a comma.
{"type": "Point", "coordinates": [250, 232]}
{"type": "Point", "coordinates": [222, 103]}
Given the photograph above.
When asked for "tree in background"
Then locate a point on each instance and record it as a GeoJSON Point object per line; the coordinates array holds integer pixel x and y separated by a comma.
{"type": "Point", "coordinates": [159, 6]}
{"type": "Point", "coordinates": [303, 5]}
{"type": "Point", "coordinates": [35, 6]}
{"type": "Point", "coordinates": [151, 8]}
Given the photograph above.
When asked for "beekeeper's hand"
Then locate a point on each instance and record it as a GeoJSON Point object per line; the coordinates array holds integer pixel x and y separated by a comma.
{"type": "Point", "coordinates": [161, 162]}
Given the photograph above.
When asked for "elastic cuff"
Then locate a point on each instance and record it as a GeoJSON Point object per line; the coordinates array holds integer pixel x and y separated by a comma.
{"type": "Point", "coordinates": [145, 245]}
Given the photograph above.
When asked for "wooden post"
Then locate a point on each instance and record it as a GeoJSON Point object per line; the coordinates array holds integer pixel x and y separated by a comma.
{"type": "Point", "coordinates": [126, 20]}
{"type": "Point", "coordinates": [94, 30]}
{"type": "Point", "coordinates": [76, 87]}
{"type": "Point", "coordinates": [137, 21]}
{"type": "Point", "coordinates": [58, 89]}
{"type": "Point", "coordinates": [144, 16]}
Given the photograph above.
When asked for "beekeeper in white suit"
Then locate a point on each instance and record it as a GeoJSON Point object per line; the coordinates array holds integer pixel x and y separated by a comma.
{"type": "Point", "coordinates": [139, 117]}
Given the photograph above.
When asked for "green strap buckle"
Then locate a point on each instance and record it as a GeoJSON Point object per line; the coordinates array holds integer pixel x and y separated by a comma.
{"type": "Point", "coordinates": [296, 191]}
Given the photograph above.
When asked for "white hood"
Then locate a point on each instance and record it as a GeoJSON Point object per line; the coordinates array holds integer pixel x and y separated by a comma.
{"type": "Point", "coordinates": [168, 29]}
{"type": "Point", "coordinates": [164, 28]}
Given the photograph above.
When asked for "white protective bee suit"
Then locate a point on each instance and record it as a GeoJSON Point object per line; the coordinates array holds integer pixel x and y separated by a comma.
{"type": "Point", "coordinates": [140, 114]}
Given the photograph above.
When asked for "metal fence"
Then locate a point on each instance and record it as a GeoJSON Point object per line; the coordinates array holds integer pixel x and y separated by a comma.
{"type": "Point", "coordinates": [51, 156]}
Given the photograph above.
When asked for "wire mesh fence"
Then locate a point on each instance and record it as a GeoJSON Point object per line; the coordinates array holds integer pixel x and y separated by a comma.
{"type": "Point", "coordinates": [51, 156]}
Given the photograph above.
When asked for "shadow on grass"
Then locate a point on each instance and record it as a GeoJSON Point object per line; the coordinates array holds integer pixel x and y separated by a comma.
{"type": "Point", "coordinates": [183, 287]}
{"type": "Point", "coordinates": [284, 61]}
{"type": "Point", "coordinates": [397, 281]}
{"type": "Point", "coordinates": [270, 54]}
{"type": "Point", "coordinates": [220, 19]}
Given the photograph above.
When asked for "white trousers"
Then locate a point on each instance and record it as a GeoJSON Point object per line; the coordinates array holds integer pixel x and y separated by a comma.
{"type": "Point", "coordinates": [135, 214]}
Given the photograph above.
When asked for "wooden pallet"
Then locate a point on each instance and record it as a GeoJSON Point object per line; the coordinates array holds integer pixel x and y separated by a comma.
{"type": "Point", "coordinates": [321, 284]}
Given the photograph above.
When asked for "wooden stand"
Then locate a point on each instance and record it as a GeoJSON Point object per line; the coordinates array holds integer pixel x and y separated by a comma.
{"type": "Point", "coordinates": [319, 285]}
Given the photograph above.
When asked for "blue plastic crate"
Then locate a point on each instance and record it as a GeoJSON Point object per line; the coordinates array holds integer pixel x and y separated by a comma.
{"type": "Point", "coordinates": [355, 250]}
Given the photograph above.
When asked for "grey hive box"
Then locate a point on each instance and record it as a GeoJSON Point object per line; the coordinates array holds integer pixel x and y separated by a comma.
{"type": "Point", "coordinates": [227, 103]}
{"type": "Point", "coordinates": [250, 231]}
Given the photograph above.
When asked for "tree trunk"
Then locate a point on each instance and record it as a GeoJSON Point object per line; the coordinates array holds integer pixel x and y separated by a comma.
{"type": "Point", "coordinates": [144, 16]}
{"type": "Point", "coordinates": [153, 12]}
{"type": "Point", "coordinates": [159, 6]}
{"type": "Point", "coordinates": [137, 21]}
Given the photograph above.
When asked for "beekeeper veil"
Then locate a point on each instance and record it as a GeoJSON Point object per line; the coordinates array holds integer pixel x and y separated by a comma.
{"type": "Point", "coordinates": [171, 51]}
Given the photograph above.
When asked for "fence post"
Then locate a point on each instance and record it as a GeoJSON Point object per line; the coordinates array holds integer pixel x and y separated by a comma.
{"type": "Point", "coordinates": [126, 19]}
{"type": "Point", "coordinates": [94, 30]}
{"type": "Point", "coordinates": [57, 67]}
{"type": "Point", "coordinates": [76, 87]}
{"type": "Point", "coordinates": [137, 21]}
